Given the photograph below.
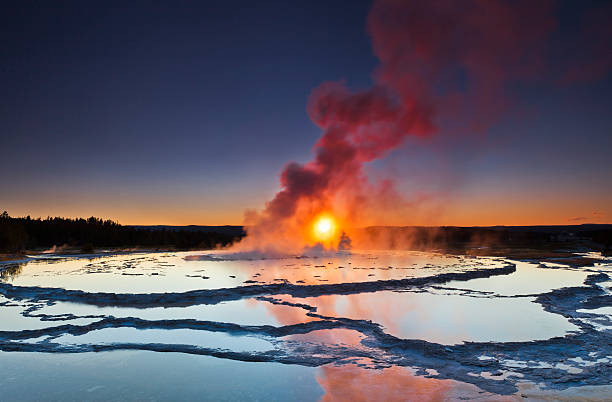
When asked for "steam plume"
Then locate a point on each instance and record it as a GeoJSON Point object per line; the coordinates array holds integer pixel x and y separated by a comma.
{"type": "Point", "coordinates": [440, 61]}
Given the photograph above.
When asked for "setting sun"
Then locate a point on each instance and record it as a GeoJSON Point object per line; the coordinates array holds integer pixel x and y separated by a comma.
{"type": "Point", "coordinates": [324, 228]}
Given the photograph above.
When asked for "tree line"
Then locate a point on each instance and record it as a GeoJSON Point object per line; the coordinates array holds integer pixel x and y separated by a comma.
{"type": "Point", "coordinates": [26, 233]}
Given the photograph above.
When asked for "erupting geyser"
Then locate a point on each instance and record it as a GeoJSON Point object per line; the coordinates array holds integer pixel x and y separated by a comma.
{"type": "Point", "coordinates": [442, 64]}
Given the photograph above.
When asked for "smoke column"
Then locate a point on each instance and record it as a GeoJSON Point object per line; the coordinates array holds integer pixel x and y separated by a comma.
{"type": "Point", "coordinates": [447, 61]}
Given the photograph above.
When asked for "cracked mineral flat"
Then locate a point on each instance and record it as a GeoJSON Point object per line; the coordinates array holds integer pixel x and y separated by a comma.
{"type": "Point", "coordinates": [453, 326]}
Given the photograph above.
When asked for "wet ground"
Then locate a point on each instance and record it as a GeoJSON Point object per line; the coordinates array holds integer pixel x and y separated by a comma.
{"type": "Point", "coordinates": [375, 325]}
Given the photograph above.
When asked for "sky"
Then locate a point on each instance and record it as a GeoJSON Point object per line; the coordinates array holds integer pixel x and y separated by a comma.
{"type": "Point", "coordinates": [186, 113]}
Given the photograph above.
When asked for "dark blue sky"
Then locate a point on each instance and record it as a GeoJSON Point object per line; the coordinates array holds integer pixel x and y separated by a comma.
{"type": "Point", "coordinates": [153, 112]}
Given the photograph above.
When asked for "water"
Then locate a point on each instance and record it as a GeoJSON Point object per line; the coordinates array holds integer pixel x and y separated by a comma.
{"type": "Point", "coordinates": [180, 272]}
{"type": "Point", "coordinates": [447, 319]}
{"type": "Point", "coordinates": [144, 376]}
{"type": "Point", "coordinates": [214, 325]}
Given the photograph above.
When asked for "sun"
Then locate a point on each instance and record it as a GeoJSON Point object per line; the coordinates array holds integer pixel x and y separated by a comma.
{"type": "Point", "coordinates": [324, 228]}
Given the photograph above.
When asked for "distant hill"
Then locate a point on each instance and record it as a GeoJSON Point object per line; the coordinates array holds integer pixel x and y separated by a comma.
{"type": "Point", "coordinates": [555, 228]}
{"type": "Point", "coordinates": [586, 236]}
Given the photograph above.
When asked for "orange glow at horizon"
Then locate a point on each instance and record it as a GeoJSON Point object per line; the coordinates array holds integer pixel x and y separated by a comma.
{"type": "Point", "coordinates": [482, 209]}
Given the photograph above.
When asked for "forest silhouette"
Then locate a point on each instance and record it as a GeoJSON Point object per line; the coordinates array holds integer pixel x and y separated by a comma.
{"type": "Point", "coordinates": [26, 233]}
